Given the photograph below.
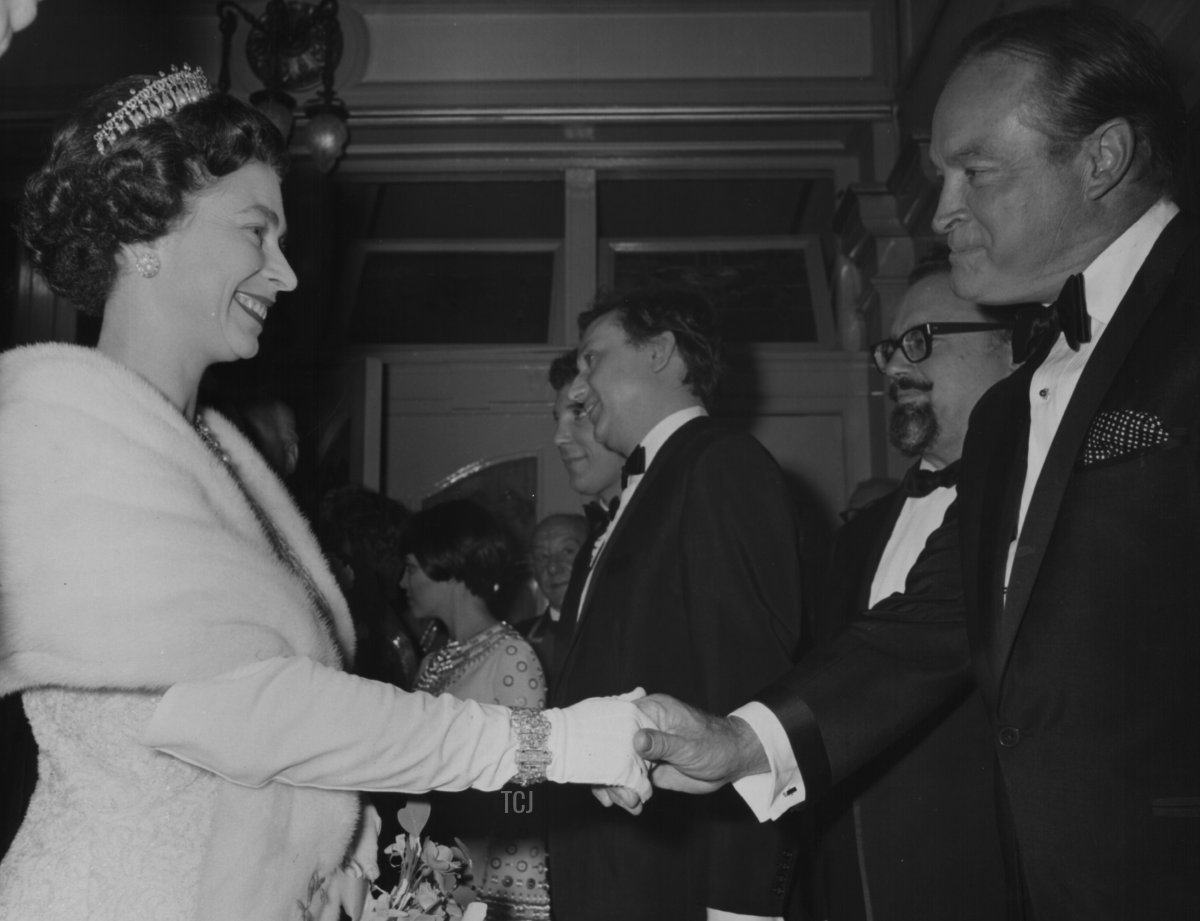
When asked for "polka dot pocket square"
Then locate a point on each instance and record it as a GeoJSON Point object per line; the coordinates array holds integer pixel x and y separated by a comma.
{"type": "Point", "coordinates": [1115, 434]}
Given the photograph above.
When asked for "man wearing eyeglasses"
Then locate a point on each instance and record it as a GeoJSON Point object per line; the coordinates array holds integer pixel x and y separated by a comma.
{"type": "Point", "coordinates": [914, 834]}
{"type": "Point", "coordinates": [1062, 584]}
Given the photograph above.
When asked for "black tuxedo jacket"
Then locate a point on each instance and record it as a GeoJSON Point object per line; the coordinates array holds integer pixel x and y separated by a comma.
{"type": "Point", "coordinates": [1088, 668]}
{"type": "Point", "coordinates": [547, 637]}
{"type": "Point", "coordinates": [697, 594]}
{"type": "Point", "coordinates": [912, 834]}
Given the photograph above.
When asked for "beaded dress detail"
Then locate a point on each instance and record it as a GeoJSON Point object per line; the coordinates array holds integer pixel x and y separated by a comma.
{"type": "Point", "coordinates": [445, 667]}
{"type": "Point", "coordinates": [498, 666]}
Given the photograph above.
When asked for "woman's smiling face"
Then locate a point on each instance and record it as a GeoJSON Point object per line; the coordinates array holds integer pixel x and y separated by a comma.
{"type": "Point", "coordinates": [224, 264]}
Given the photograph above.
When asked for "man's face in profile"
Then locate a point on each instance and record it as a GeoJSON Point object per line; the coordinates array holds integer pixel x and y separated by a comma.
{"type": "Point", "coordinates": [592, 469]}
{"type": "Point", "coordinates": [1013, 210]}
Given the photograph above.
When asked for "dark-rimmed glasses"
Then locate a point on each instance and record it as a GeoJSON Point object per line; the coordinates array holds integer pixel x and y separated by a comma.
{"type": "Point", "coordinates": [917, 343]}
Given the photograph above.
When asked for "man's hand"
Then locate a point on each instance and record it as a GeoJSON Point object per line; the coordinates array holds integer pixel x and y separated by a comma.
{"type": "Point", "coordinates": [694, 752]}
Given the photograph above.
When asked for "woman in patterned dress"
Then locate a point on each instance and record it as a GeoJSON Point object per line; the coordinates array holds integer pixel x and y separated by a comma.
{"type": "Point", "coordinates": [459, 570]}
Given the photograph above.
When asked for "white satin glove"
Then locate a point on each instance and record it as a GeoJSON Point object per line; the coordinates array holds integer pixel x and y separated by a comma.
{"type": "Point", "coordinates": [592, 743]}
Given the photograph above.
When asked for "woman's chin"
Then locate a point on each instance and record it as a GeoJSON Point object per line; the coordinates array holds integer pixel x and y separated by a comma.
{"type": "Point", "coordinates": [244, 347]}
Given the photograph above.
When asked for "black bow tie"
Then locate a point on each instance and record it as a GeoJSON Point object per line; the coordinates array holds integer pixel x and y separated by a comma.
{"type": "Point", "coordinates": [1039, 327]}
{"type": "Point", "coordinates": [635, 465]}
{"type": "Point", "coordinates": [919, 482]}
{"type": "Point", "coordinates": [599, 515]}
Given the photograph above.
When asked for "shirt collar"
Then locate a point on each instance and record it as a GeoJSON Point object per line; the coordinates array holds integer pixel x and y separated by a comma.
{"type": "Point", "coordinates": [657, 436]}
{"type": "Point", "coordinates": [1111, 273]}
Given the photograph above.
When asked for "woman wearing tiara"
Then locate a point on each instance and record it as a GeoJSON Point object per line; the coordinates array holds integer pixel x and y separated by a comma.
{"type": "Point", "coordinates": [176, 635]}
{"type": "Point", "coordinates": [458, 570]}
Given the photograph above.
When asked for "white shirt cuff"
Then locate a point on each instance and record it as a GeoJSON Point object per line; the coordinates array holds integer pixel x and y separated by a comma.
{"type": "Point", "coordinates": [715, 914]}
{"type": "Point", "coordinates": [772, 794]}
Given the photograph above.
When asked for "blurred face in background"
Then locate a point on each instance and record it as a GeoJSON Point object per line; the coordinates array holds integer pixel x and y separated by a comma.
{"type": "Point", "coordinates": [556, 543]}
{"type": "Point", "coordinates": [428, 599]}
{"type": "Point", "coordinates": [934, 397]}
{"type": "Point", "coordinates": [592, 469]}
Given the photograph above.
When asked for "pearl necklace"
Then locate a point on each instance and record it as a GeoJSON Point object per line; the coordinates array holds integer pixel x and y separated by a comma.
{"type": "Point", "coordinates": [274, 537]}
{"type": "Point", "coordinates": [210, 440]}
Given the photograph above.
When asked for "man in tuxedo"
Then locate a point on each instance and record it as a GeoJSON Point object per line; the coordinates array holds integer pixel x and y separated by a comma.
{"type": "Point", "coordinates": [694, 589]}
{"type": "Point", "coordinates": [866, 492]}
{"type": "Point", "coordinates": [556, 543]}
{"type": "Point", "coordinates": [913, 834]}
{"type": "Point", "coordinates": [1062, 583]}
{"type": "Point", "coordinates": [595, 473]}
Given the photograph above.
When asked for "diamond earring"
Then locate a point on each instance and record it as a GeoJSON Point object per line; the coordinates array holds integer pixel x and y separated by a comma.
{"type": "Point", "coordinates": [147, 264]}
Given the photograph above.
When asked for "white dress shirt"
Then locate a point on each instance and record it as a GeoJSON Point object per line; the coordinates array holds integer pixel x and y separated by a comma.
{"type": "Point", "coordinates": [919, 517]}
{"type": "Point", "coordinates": [770, 795]}
{"type": "Point", "coordinates": [1105, 282]}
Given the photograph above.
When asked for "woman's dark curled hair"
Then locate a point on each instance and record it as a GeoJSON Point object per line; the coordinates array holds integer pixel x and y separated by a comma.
{"type": "Point", "coordinates": [82, 206]}
{"type": "Point", "coordinates": [462, 540]}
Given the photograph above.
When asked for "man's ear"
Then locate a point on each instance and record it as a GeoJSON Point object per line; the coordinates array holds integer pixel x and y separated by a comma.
{"type": "Point", "coordinates": [1108, 152]}
{"type": "Point", "coordinates": [661, 348]}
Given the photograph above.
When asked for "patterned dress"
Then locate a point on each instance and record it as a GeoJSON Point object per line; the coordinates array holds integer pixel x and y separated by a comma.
{"type": "Point", "coordinates": [498, 666]}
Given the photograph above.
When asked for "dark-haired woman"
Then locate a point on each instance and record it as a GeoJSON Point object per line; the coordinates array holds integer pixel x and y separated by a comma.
{"type": "Point", "coordinates": [174, 630]}
{"type": "Point", "coordinates": [459, 570]}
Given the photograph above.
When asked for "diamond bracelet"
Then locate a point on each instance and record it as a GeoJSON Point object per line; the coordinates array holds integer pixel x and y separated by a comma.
{"type": "Point", "coordinates": [533, 755]}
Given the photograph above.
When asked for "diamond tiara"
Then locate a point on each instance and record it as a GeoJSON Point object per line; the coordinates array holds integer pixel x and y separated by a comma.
{"type": "Point", "coordinates": [157, 99]}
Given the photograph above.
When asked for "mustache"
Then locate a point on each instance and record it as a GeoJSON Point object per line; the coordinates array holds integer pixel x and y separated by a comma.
{"type": "Point", "coordinates": [907, 383]}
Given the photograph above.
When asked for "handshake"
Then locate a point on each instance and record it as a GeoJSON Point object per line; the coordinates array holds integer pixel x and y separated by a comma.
{"type": "Point", "coordinates": [625, 746]}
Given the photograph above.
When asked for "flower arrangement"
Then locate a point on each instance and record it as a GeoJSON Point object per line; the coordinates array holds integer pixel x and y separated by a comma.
{"type": "Point", "coordinates": [432, 884]}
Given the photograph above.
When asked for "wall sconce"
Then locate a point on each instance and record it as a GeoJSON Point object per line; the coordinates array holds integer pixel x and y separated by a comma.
{"type": "Point", "coordinates": [293, 45]}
